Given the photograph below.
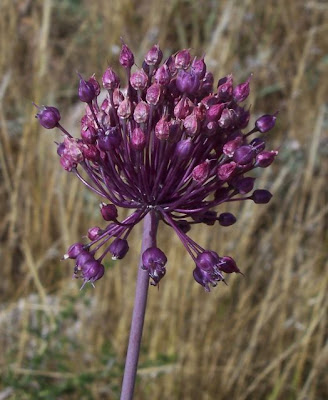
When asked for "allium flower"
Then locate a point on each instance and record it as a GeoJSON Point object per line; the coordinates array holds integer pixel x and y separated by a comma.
{"type": "Point", "coordinates": [172, 144]}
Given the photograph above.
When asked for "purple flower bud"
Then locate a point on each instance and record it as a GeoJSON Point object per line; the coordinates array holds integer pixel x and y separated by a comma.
{"type": "Point", "coordinates": [89, 134]}
{"type": "Point", "coordinates": [141, 112]}
{"type": "Point", "coordinates": [265, 158]}
{"type": "Point", "coordinates": [191, 125]}
{"type": "Point", "coordinates": [74, 250]}
{"type": "Point", "coordinates": [207, 86]}
{"type": "Point", "coordinates": [215, 111]}
{"type": "Point", "coordinates": [183, 225]}
{"type": "Point", "coordinates": [117, 97]}
{"type": "Point", "coordinates": [138, 139]}
{"type": "Point", "coordinates": [154, 56]}
{"type": "Point", "coordinates": [230, 147]}
{"type": "Point", "coordinates": [110, 80]}
{"type": "Point", "coordinates": [61, 149]}
{"type": "Point", "coordinates": [241, 117]}
{"type": "Point", "coordinates": [226, 219]}
{"type": "Point", "coordinates": [244, 185]}
{"type": "Point", "coordinates": [184, 148]}
{"type": "Point", "coordinates": [93, 81]}
{"type": "Point", "coordinates": [187, 82]}
{"type": "Point", "coordinates": [225, 89]}
{"type": "Point", "coordinates": [83, 257]}
{"type": "Point", "coordinates": [86, 91]}
{"type": "Point", "coordinates": [211, 128]}
{"type": "Point", "coordinates": [94, 232]}
{"type": "Point", "coordinates": [162, 75]}
{"type": "Point", "coordinates": [162, 129]}
{"type": "Point", "coordinates": [243, 155]}
{"type": "Point", "coordinates": [182, 109]}
{"type": "Point", "coordinates": [92, 271]}
{"type": "Point", "coordinates": [48, 117]}
{"type": "Point", "coordinates": [153, 94]}
{"type": "Point", "coordinates": [153, 261]}
{"type": "Point", "coordinates": [126, 57]}
{"type": "Point", "coordinates": [226, 171]}
{"type": "Point", "coordinates": [139, 80]}
{"type": "Point", "coordinates": [111, 139]}
{"type": "Point", "coordinates": [241, 91]}
{"type": "Point", "coordinates": [228, 265]}
{"type": "Point", "coordinates": [207, 260]}
{"type": "Point", "coordinates": [108, 211]}
{"type": "Point", "coordinates": [90, 152]}
{"type": "Point", "coordinates": [208, 217]}
{"type": "Point", "coordinates": [261, 196]}
{"type": "Point", "coordinates": [265, 123]}
{"type": "Point", "coordinates": [182, 59]}
{"type": "Point", "coordinates": [258, 145]}
{"type": "Point", "coordinates": [198, 67]}
{"type": "Point", "coordinates": [201, 171]}
{"type": "Point", "coordinates": [124, 109]}
{"type": "Point", "coordinates": [72, 150]}
{"type": "Point", "coordinates": [118, 248]}
{"type": "Point", "coordinates": [227, 118]}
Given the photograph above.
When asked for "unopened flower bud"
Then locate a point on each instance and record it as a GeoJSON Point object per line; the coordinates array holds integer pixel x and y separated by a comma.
{"type": "Point", "coordinates": [265, 123]}
{"type": "Point", "coordinates": [184, 149]}
{"type": "Point", "coordinates": [182, 59]}
{"type": "Point", "coordinates": [83, 257]}
{"type": "Point", "coordinates": [89, 134]}
{"type": "Point", "coordinates": [230, 147]}
{"type": "Point", "coordinates": [226, 219]}
{"type": "Point", "coordinates": [187, 82]}
{"type": "Point", "coordinates": [110, 140]}
{"type": "Point", "coordinates": [86, 91]}
{"type": "Point", "coordinates": [108, 212]}
{"type": "Point", "coordinates": [225, 89]}
{"type": "Point", "coordinates": [163, 75]}
{"type": "Point", "coordinates": [215, 111]}
{"type": "Point", "coordinates": [226, 171]}
{"type": "Point", "coordinates": [227, 118]}
{"type": "Point", "coordinates": [183, 225]}
{"type": "Point", "coordinates": [126, 57]}
{"type": "Point", "coordinates": [154, 56]}
{"type": "Point", "coordinates": [48, 117]}
{"type": "Point", "coordinates": [241, 117]}
{"type": "Point", "coordinates": [162, 129]}
{"type": "Point", "coordinates": [118, 248]}
{"type": "Point", "coordinates": [258, 145]}
{"type": "Point", "coordinates": [73, 251]}
{"type": "Point", "coordinates": [241, 91]}
{"type": "Point", "coordinates": [93, 81]}
{"type": "Point", "coordinates": [124, 109]}
{"type": "Point", "coordinates": [208, 217]}
{"type": "Point", "coordinates": [244, 185]}
{"type": "Point", "coordinates": [265, 158]}
{"type": "Point", "coordinates": [201, 171]}
{"type": "Point", "coordinates": [243, 155]}
{"type": "Point", "coordinates": [153, 94]}
{"type": "Point", "coordinates": [139, 80]}
{"type": "Point", "coordinates": [94, 232]}
{"type": "Point", "coordinates": [182, 109]}
{"type": "Point", "coordinates": [138, 139]}
{"type": "Point", "coordinates": [261, 196]}
{"type": "Point", "coordinates": [191, 125]}
{"type": "Point", "coordinates": [118, 97]}
{"type": "Point", "coordinates": [110, 80]}
{"type": "Point", "coordinates": [141, 112]}
{"type": "Point", "coordinates": [198, 67]}
{"type": "Point", "coordinates": [228, 265]}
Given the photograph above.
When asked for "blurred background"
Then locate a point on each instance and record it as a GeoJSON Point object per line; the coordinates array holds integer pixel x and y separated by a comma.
{"type": "Point", "coordinates": [264, 336]}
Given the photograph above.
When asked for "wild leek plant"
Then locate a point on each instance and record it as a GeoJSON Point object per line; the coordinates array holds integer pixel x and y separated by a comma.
{"type": "Point", "coordinates": [171, 148]}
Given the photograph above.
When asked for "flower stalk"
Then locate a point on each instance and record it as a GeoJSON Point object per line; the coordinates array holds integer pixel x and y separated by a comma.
{"type": "Point", "coordinates": [140, 302]}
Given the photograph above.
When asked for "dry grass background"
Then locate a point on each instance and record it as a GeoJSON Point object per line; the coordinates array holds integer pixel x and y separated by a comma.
{"type": "Point", "coordinates": [262, 337]}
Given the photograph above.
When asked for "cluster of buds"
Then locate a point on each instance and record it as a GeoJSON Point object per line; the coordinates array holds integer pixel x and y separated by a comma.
{"type": "Point", "coordinates": [170, 143]}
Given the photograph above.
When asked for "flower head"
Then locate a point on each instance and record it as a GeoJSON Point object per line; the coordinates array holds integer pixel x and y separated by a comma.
{"type": "Point", "coordinates": [170, 143]}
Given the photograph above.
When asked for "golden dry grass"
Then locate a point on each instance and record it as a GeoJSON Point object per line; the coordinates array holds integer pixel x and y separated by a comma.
{"type": "Point", "coordinates": [262, 337]}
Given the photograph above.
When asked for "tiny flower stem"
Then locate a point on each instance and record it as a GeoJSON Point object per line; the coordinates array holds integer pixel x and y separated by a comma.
{"type": "Point", "coordinates": [131, 363]}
